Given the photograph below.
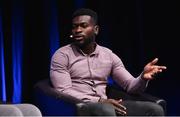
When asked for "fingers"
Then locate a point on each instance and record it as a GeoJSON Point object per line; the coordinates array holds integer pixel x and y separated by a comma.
{"type": "Point", "coordinates": [118, 104]}
{"type": "Point", "coordinates": [119, 108]}
{"type": "Point", "coordinates": [154, 61]}
{"type": "Point", "coordinates": [150, 70]}
{"type": "Point", "coordinates": [148, 76]}
{"type": "Point", "coordinates": [155, 70]}
{"type": "Point", "coordinates": [162, 67]}
{"type": "Point", "coordinates": [120, 111]}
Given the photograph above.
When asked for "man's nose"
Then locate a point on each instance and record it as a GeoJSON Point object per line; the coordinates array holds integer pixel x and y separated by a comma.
{"type": "Point", "coordinates": [78, 29]}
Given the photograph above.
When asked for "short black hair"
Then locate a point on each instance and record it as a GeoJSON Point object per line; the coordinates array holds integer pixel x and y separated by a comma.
{"type": "Point", "coordinates": [86, 11]}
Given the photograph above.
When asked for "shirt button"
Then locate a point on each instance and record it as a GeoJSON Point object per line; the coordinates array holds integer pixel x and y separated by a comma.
{"type": "Point", "coordinates": [93, 89]}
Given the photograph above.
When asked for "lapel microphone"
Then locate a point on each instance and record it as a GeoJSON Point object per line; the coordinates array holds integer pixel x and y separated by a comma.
{"type": "Point", "coordinates": [71, 36]}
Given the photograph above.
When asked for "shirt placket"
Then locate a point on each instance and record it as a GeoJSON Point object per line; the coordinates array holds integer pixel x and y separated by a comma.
{"type": "Point", "coordinates": [91, 75]}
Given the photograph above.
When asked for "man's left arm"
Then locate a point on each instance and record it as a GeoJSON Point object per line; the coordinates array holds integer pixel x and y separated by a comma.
{"type": "Point", "coordinates": [129, 82]}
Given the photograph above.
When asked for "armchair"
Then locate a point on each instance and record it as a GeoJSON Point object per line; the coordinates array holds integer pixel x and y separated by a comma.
{"type": "Point", "coordinates": [54, 103]}
{"type": "Point", "coordinates": [24, 109]}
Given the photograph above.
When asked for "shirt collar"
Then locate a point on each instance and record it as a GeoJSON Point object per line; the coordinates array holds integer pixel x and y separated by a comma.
{"type": "Point", "coordinates": [96, 51]}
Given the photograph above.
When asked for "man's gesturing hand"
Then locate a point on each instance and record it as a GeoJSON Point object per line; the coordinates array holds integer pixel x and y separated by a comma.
{"type": "Point", "coordinates": [119, 108]}
{"type": "Point", "coordinates": [151, 69]}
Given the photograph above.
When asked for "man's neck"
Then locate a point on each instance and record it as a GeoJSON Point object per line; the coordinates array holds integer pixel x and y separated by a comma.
{"type": "Point", "coordinates": [88, 49]}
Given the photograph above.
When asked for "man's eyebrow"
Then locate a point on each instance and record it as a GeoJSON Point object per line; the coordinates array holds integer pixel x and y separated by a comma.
{"type": "Point", "coordinates": [80, 23]}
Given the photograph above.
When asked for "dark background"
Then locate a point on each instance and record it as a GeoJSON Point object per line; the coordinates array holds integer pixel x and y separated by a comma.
{"type": "Point", "coordinates": [137, 31]}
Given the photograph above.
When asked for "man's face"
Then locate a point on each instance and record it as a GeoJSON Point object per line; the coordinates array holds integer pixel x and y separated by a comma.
{"type": "Point", "coordinates": [83, 30]}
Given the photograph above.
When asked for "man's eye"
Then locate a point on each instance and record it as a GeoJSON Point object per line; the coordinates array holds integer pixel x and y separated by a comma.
{"type": "Point", "coordinates": [74, 26]}
{"type": "Point", "coordinates": [80, 25]}
{"type": "Point", "coordinates": [84, 25]}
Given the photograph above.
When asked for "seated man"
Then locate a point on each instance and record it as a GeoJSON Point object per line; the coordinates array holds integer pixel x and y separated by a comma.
{"type": "Point", "coordinates": [81, 69]}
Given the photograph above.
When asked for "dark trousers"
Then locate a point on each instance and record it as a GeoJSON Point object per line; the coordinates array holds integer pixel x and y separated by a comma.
{"type": "Point", "coordinates": [143, 108]}
{"type": "Point", "coordinates": [134, 108]}
{"type": "Point", "coordinates": [95, 109]}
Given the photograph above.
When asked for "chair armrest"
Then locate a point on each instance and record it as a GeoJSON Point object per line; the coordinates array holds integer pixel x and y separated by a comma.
{"type": "Point", "coordinates": [52, 102]}
{"type": "Point", "coordinates": [112, 89]}
{"type": "Point", "coordinates": [45, 87]}
{"type": "Point", "coordinates": [148, 97]}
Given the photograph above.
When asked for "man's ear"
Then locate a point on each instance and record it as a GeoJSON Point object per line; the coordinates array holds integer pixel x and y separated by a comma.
{"type": "Point", "coordinates": [96, 29]}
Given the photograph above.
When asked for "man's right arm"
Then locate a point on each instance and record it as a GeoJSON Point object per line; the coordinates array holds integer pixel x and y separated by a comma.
{"type": "Point", "coordinates": [59, 74]}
